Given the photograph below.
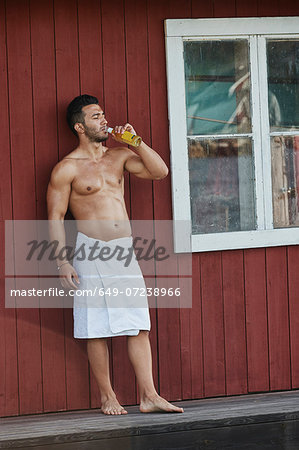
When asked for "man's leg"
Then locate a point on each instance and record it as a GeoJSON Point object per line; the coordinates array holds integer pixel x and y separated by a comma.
{"type": "Point", "coordinates": [139, 350]}
{"type": "Point", "coordinates": [98, 355]}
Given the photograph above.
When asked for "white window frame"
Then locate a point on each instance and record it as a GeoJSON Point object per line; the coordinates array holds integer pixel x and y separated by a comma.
{"type": "Point", "coordinates": [257, 30]}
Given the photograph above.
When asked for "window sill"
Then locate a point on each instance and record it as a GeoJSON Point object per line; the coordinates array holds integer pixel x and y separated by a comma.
{"type": "Point", "coordinates": [236, 240]}
{"type": "Point", "coordinates": [244, 239]}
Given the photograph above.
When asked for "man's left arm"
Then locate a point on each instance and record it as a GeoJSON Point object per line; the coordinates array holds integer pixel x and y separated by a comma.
{"type": "Point", "coordinates": [145, 163]}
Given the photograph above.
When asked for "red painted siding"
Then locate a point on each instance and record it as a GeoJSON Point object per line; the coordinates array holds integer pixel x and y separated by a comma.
{"type": "Point", "coordinates": [9, 399]}
{"type": "Point", "coordinates": [241, 334]}
{"type": "Point", "coordinates": [256, 320]}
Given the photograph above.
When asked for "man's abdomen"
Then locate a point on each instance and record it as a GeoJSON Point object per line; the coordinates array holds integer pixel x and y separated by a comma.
{"type": "Point", "coordinates": [101, 217]}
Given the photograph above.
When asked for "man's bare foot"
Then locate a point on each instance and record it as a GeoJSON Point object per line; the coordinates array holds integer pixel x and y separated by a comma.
{"type": "Point", "coordinates": [110, 406]}
{"type": "Point", "coordinates": [156, 403]}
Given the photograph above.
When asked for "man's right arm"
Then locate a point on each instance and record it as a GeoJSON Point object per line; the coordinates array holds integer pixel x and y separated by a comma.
{"type": "Point", "coordinates": [58, 194]}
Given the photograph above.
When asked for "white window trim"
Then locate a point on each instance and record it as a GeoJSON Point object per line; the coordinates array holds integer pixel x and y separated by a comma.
{"type": "Point", "coordinates": [176, 32]}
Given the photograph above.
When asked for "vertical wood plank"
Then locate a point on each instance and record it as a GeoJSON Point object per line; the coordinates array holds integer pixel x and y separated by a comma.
{"type": "Point", "coordinates": [278, 318]}
{"type": "Point", "coordinates": [44, 97]}
{"type": "Point", "coordinates": [114, 60]}
{"type": "Point", "coordinates": [246, 9]}
{"type": "Point", "coordinates": [293, 270]}
{"type": "Point", "coordinates": [138, 98]}
{"type": "Point", "coordinates": [157, 13]}
{"type": "Point", "coordinates": [68, 86]}
{"type": "Point", "coordinates": [67, 69]}
{"type": "Point", "coordinates": [20, 96]}
{"type": "Point", "coordinates": [9, 396]}
{"type": "Point", "coordinates": [288, 7]}
{"type": "Point", "coordinates": [212, 323]}
{"type": "Point", "coordinates": [202, 8]}
{"type": "Point", "coordinates": [224, 9]}
{"type": "Point", "coordinates": [234, 322]}
{"type": "Point", "coordinates": [185, 347]}
{"type": "Point", "coordinates": [256, 320]}
{"type": "Point", "coordinates": [178, 9]}
{"type": "Point", "coordinates": [268, 8]}
{"type": "Point", "coordinates": [90, 48]}
{"type": "Point", "coordinates": [188, 316]}
{"type": "Point", "coordinates": [169, 321]}
{"type": "Point", "coordinates": [196, 341]}
{"type": "Point", "coordinates": [24, 194]}
{"type": "Point", "coordinates": [45, 134]}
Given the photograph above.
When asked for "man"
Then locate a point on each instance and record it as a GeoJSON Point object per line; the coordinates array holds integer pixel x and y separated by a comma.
{"type": "Point", "coordinates": [90, 181]}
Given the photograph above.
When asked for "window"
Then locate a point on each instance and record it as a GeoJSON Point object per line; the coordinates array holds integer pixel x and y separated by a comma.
{"type": "Point", "coordinates": [233, 96]}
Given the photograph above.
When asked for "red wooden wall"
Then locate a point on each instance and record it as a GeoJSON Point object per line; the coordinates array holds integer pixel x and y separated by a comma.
{"type": "Point", "coordinates": [242, 333]}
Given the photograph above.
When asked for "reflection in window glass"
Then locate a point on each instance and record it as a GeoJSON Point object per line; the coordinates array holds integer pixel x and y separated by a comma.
{"type": "Point", "coordinates": [217, 87]}
{"type": "Point", "coordinates": [283, 83]}
{"type": "Point", "coordinates": [285, 180]}
{"type": "Point", "coordinates": [221, 185]}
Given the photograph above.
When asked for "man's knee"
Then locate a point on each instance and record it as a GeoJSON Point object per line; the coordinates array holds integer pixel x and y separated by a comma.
{"type": "Point", "coordinates": [141, 333]}
{"type": "Point", "coordinates": [144, 332]}
{"type": "Point", "coordinates": [96, 341]}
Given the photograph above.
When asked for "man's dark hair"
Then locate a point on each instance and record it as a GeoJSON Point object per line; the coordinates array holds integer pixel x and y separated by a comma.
{"type": "Point", "coordinates": [74, 110]}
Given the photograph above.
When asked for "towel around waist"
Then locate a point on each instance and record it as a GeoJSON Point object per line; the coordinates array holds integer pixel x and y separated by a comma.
{"type": "Point", "coordinates": [109, 258]}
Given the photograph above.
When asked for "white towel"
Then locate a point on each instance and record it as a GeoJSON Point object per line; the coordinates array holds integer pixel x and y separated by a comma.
{"type": "Point", "coordinates": [125, 310]}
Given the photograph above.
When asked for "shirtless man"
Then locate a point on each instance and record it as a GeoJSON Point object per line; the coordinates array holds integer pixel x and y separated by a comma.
{"type": "Point", "coordinates": [90, 181]}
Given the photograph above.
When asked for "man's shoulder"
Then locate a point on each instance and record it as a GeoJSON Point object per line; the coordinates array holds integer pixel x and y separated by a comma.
{"type": "Point", "coordinates": [69, 161]}
{"type": "Point", "coordinates": [65, 169]}
{"type": "Point", "coordinates": [65, 164]}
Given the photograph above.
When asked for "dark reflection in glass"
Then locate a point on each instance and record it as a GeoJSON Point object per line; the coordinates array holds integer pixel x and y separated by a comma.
{"type": "Point", "coordinates": [217, 87]}
{"type": "Point", "coordinates": [283, 84]}
{"type": "Point", "coordinates": [285, 180]}
{"type": "Point", "coordinates": [221, 185]}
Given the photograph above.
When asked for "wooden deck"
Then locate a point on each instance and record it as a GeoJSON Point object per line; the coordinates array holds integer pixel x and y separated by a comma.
{"type": "Point", "coordinates": [254, 421]}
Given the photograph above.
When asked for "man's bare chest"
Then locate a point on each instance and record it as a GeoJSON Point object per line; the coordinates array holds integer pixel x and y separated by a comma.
{"type": "Point", "coordinates": [98, 177]}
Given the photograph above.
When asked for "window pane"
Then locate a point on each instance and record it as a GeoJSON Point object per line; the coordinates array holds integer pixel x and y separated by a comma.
{"type": "Point", "coordinates": [221, 185]}
{"type": "Point", "coordinates": [283, 83]}
{"type": "Point", "coordinates": [217, 87]}
{"type": "Point", "coordinates": [285, 180]}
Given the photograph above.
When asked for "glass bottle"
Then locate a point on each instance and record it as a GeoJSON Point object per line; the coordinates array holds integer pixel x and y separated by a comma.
{"type": "Point", "coordinates": [126, 137]}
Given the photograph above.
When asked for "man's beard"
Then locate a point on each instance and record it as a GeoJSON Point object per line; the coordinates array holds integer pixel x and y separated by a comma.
{"type": "Point", "coordinates": [93, 135]}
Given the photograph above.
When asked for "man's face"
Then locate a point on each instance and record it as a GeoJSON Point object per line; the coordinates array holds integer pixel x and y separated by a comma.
{"type": "Point", "coordinates": [95, 124]}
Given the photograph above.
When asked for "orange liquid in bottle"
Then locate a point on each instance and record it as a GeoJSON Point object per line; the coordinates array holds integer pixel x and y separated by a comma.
{"type": "Point", "coordinates": [126, 137]}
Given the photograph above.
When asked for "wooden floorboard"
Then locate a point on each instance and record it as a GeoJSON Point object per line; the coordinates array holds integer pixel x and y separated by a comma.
{"type": "Point", "coordinates": [209, 423]}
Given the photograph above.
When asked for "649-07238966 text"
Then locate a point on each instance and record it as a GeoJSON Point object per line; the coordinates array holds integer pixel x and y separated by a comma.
{"type": "Point", "coordinates": [114, 292]}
